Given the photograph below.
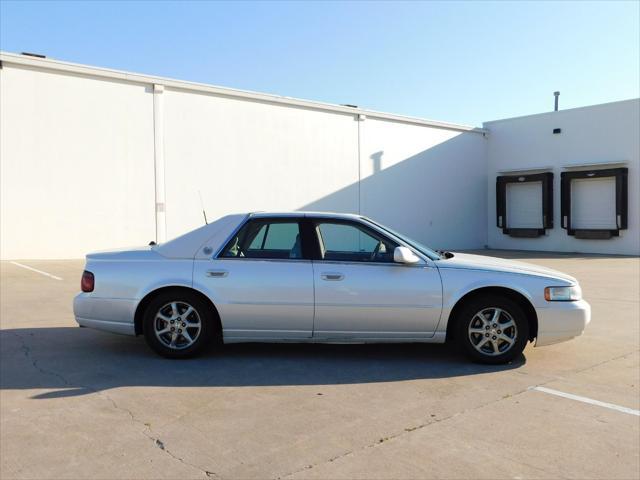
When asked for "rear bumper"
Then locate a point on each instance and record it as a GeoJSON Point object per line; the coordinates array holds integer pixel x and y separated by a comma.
{"type": "Point", "coordinates": [110, 314]}
{"type": "Point", "coordinates": [562, 321]}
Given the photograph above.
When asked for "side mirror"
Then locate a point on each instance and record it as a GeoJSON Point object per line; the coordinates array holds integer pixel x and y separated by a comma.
{"type": "Point", "coordinates": [404, 255]}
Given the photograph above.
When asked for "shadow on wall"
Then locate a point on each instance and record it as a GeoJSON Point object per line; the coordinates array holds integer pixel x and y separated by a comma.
{"type": "Point", "coordinates": [376, 161]}
{"type": "Point", "coordinates": [73, 361]}
{"type": "Point", "coordinates": [438, 196]}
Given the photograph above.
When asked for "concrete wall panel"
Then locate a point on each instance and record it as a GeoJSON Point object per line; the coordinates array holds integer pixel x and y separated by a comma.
{"type": "Point", "coordinates": [251, 156]}
{"type": "Point", "coordinates": [426, 182]}
{"type": "Point", "coordinates": [76, 164]}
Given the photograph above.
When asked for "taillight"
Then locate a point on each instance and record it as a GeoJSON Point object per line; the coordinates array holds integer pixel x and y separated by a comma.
{"type": "Point", "coordinates": [87, 283]}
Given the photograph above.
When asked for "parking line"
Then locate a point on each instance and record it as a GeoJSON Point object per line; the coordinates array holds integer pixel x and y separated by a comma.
{"type": "Point", "coordinates": [590, 401]}
{"type": "Point", "coordinates": [36, 270]}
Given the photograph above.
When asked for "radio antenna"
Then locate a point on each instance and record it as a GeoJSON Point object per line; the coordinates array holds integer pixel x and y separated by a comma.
{"type": "Point", "coordinates": [202, 205]}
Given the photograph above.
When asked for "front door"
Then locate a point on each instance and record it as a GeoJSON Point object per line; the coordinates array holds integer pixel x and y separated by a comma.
{"type": "Point", "coordinates": [360, 293]}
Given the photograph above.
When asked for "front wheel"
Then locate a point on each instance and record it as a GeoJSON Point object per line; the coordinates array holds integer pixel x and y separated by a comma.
{"type": "Point", "coordinates": [178, 324]}
{"type": "Point", "coordinates": [492, 329]}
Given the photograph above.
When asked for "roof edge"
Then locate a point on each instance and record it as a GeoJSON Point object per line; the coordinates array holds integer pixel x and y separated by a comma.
{"type": "Point", "coordinates": [58, 65]}
{"type": "Point", "coordinates": [556, 112]}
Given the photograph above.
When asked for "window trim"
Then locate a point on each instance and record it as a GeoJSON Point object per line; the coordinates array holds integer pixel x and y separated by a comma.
{"type": "Point", "coordinates": [265, 220]}
{"type": "Point", "coordinates": [310, 247]}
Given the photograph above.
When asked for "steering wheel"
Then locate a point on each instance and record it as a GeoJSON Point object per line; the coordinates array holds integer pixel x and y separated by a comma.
{"type": "Point", "coordinates": [376, 251]}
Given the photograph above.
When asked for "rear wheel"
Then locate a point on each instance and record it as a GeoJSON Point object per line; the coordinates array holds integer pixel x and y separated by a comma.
{"type": "Point", "coordinates": [178, 324]}
{"type": "Point", "coordinates": [492, 329]}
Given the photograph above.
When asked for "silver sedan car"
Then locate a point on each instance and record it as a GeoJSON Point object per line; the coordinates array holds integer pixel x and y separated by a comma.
{"type": "Point", "coordinates": [323, 277]}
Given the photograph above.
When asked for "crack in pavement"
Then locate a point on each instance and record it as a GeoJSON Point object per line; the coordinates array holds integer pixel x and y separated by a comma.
{"type": "Point", "coordinates": [26, 350]}
{"type": "Point", "coordinates": [158, 443]}
{"type": "Point", "coordinates": [604, 362]}
{"type": "Point", "coordinates": [146, 430]}
{"type": "Point", "coordinates": [411, 429]}
{"type": "Point", "coordinates": [402, 433]}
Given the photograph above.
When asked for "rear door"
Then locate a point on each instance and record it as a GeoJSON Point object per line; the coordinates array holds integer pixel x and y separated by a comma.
{"type": "Point", "coordinates": [261, 283]}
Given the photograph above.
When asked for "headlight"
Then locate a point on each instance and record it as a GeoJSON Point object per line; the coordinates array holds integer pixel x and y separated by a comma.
{"type": "Point", "coordinates": [563, 294]}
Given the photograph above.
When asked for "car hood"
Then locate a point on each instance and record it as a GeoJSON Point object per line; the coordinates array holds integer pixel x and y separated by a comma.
{"type": "Point", "coordinates": [481, 262]}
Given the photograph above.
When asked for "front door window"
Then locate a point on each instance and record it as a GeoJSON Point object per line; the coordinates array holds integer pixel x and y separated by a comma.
{"type": "Point", "coordinates": [348, 242]}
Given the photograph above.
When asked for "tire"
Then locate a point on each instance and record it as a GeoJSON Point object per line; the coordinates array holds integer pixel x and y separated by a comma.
{"type": "Point", "coordinates": [193, 321]}
{"type": "Point", "coordinates": [488, 339]}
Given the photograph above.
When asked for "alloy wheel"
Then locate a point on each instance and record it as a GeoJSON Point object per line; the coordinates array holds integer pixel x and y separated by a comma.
{"type": "Point", "coordinates": [492, 331]}
{"type": "Point", "coordinates": [177, 325]}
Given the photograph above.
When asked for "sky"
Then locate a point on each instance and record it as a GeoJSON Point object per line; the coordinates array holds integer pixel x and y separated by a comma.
{"type": "Point", "coordinates": [461, 62]}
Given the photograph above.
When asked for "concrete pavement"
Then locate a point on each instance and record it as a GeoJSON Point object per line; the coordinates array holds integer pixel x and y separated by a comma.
{"type": "Point", "coordinates": [76, 403]}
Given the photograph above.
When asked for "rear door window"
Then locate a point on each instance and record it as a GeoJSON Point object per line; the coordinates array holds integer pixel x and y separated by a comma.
{"type": "Point", "coordinates": [277, 239]}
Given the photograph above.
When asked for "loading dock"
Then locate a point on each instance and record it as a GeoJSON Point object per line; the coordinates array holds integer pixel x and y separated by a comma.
{"type": "Point", "coordinates": [525, 204]}
{"type": "Point", "coordinates": [594, 203]}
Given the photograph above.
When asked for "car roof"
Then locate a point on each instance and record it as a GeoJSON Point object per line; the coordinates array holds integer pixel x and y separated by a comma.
{"type": "Point", "coordinates": [346, 216]}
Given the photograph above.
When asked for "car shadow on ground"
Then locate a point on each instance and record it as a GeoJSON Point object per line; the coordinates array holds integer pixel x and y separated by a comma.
{"type": "Point", "coordinates": [73, 361]}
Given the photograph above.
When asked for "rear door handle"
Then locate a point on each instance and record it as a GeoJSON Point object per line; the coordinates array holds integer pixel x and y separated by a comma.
{"type": "Point", "coordinates": [217, 273]}
{"type": "Point", "coordinates": [332, 276]}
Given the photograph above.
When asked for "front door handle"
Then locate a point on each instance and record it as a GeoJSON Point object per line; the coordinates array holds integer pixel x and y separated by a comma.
{"type": "Point", "coordinates": [332, 276]}
{"type": "Point", "coordinates": [217, 273]}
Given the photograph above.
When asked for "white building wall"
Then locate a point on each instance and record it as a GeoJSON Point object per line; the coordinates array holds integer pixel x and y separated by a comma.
{"type": "Point", "coordinates": [249, 156]}
{"type": "Point", "coordinates": [428, 183]}
{"type": "Point", "coordinates": [602, 136]}
{"type": "Point", "coordinates": [76, 169]}
{"type": "Point", "coordinates": [84, 151]}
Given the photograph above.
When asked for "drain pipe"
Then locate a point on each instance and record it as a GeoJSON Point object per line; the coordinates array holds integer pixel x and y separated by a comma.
{"type": "Point", "coordinates": [158, 161]}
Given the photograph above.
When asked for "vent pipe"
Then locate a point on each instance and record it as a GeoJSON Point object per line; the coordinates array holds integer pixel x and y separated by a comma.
{"type": "Point", "coordinates": [37, 55]}
{"type": "Point", "coordinates": [555, 106]}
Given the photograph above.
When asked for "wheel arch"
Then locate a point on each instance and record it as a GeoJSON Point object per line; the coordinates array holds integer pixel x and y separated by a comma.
{"type": "Point", "coordinates": [142, 306]}
{"type": "Point", "coordinates": [514, 295]}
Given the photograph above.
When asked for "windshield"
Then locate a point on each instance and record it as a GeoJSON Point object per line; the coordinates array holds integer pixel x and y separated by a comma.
{"type": "Point", "coordinates": [432, 254]}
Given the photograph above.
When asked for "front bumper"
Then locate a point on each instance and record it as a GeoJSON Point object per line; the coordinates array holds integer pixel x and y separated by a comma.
{"type": "Point", "coordinates": [562, 321]}
{"type": "Point", "coordinates": [110, 314]}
